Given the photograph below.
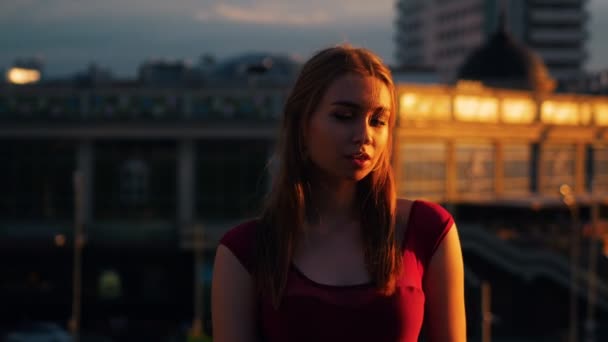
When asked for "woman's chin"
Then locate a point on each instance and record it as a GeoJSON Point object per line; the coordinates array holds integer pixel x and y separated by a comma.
{"type": "Point", "coordinates": [359, 175]}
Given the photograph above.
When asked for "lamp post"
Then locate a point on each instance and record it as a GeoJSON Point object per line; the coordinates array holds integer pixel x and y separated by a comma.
{"type": "Point", "coordinates": [568, 198]}
{"type": "Point", "coordinates": [486, 312]}
{"type": "Point", "coordinates": [592, 283]}
{"type": "Point", "coordinates": [74, 322]}
{"type": "Point", "coordinates": [197, 333]}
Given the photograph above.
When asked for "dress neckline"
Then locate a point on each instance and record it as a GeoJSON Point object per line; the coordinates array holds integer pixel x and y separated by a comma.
{"type": "Point", "coordinates": [365, 285]}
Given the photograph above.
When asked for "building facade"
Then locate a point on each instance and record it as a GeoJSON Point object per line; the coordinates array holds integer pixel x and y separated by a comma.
{"type": "Point", "coordinates": [157, 164]}
{"type": "Point", "coordinates": [442, 33]}
{"type": "Point", "coordinates": [143, 170]}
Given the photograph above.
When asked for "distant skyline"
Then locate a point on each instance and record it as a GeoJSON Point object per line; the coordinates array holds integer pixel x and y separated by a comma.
{"type": "Point", "coordinates": [121, 34]}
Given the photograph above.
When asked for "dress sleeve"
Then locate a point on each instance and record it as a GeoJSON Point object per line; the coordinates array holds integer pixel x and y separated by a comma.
{"type": "Point", "coordinates": [434, 222]}
{"type": "Point", "coordinates": [240, 241]}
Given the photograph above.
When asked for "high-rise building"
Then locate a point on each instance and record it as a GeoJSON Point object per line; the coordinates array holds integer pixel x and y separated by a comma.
{"type": "Point", "coordinates": [442, 33]}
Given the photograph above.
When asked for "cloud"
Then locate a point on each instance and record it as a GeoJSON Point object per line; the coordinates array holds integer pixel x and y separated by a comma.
{"type": "Point", "coordinates": [280, 12]}
{"type": "Point", "coordinates": [266, 15]}
{"type": "Point", "coordinates": [311, 13]}
{"type": "Point", "coordinates": [54, 10]}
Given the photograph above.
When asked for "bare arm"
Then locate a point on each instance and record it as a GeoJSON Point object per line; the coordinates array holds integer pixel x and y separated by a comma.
{"type": "Point", "coordinates": [232, 299]}
{"type": "Point", "coordinates": [444, 288]}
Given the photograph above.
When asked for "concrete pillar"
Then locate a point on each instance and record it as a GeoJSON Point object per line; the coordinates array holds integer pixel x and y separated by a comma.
{"type": "Point", "coordinates": [185, 183]}
{"type": "Point", "coordinates": [84, 164]}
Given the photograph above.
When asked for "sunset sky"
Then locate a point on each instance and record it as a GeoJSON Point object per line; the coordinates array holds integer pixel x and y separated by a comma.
{"type": "Point", "coordinates": [120, 34]}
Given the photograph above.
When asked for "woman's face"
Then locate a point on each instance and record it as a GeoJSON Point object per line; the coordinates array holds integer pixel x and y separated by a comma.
{"type": "Point", "coordinates": [348, 132]}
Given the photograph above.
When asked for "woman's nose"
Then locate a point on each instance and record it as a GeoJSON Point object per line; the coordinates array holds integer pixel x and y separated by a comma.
{"type": "Point", "coordinates": [361, 133]}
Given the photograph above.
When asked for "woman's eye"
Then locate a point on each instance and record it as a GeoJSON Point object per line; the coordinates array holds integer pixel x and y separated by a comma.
{"type": "Point", "coordinates": [342, 116]}
{"type": "Point", "coordinates": [378, 122]}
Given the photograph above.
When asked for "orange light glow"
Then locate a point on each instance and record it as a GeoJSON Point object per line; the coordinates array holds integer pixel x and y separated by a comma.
{"type": "Point", "coordinates": [560, 112]}
{"type": "Point", "coordinates": [60, 240]}
{"type": "Point", "coordinates": [467, 85]}
{"type": "Point", "coordinates": [476, 108]}
{"type": "Point", "coordinates": [518, 110]}
{"type": "Point", "coordinates": [600, 110]}
{"type": "Point", "coordinates": [586, 113]}
{"type": "Point", "coordinates": [424, 106]}
{"type": "Point", "coordinates": [22, 76]}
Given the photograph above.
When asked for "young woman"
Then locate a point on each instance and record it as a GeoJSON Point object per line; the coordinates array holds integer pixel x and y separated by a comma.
{"type": "Point", "coordinates": [335, 256]}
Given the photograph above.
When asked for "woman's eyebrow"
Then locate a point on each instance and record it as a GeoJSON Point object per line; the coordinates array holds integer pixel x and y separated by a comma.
{"type": "Point", "coordinates": [354, 105]}
{"type": "Point", "coordinates": [348, 104]}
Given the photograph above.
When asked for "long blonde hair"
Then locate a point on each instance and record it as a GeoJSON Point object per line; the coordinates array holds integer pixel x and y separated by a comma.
{"type": "Point", "coordinates": [288, 201]}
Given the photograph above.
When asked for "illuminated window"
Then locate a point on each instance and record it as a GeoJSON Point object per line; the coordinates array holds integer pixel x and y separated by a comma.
{"type": "Point", "coordinates": [475, 108]}
{"type": "Point", "coordinates": [518, 110]}
{"type": "Point", "coordinates": [600, 110]}
{"type": "Point", "coordinates": [424, 106]}
{"type": "Point", "coordinates": [109, 285]}
{"type": "Point", "coordinates": [586, 113]}
{"type": "Point", "coordinates": [23, 76]}
{"type": "Point", "coordinates": [560, 112]}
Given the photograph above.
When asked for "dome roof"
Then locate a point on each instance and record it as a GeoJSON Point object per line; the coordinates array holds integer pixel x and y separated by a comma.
{"type": "Point", "coordinates": [257, 63]}
{"type": "Point", "coordinates": [504, 63]}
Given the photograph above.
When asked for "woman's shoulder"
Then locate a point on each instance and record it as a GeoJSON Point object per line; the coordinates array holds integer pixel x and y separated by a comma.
{"type": "Point", "coordinates": [245, 229]}
{"type": "Point", "coordinates": [431, 212]}
{"type": "Point", "coordinates": [239, 240]}
{"type": "Point", "coordinates": [417, 210]}
{"type": "Point", "coordinates": [428, 223]}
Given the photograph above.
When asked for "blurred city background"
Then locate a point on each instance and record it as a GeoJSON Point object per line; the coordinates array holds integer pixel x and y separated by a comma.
{"type": "Point", "coordinates": [135, 133]}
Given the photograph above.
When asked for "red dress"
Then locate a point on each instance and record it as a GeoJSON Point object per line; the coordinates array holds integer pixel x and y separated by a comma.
{"type": "Point", "coordinates": [316, 312]}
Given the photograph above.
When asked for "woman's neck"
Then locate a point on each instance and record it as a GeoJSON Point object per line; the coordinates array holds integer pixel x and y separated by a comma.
{"type": "Point", "coordinates": [333, 204]}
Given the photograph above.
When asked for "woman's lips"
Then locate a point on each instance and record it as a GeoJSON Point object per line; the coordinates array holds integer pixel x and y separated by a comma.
{"type": "Point", "coordinates": [359, 160]}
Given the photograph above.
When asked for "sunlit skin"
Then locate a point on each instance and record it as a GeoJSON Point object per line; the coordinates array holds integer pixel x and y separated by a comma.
{"type": "Point", "coordinates": [352, 117]}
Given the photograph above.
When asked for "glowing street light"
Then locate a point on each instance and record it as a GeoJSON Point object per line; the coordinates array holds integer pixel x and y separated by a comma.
{"type": "Point", "coordinates": [22, 75]}
{"type": "Point", "coordinates": [567, 194]}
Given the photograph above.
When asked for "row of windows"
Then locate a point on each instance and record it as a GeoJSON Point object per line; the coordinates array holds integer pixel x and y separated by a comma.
{"type": "Point", "coordinates": [424, 169]}
{"type": "Point", "coordinates": [408, 23]}
{"type": "Point", "coordinates": [412, 60]}
{"type": "Point", "coordinates": [410, 7]}
{"type": "Point", "coordinates": [557, 5]}
{"type": "Point", "coordinates": [453, 51]}
{"type": "Point", "coordinates": [457, 32]}
{"type": "Point", "coordinates": [139, 180]}
{"type": "Point", "coordinates": [37, 179]}
{"type": "Point", "coordinates": [408, 56]}
{"type": "Point", "coordinates": [557, 25]}
{"type": "Point", "coordinates": [413, 42]}
{"type": "Point", "coordinates": [578, 46]}
{"type": "Point", "coordinates": [556, 66]}
{"type": "Point", "coordinates": [410, 26]}
{"type": "Point", "coordinates": [450, 16]}
{"type": "Point", "coordinates": [410, 41]}
{"type": "Point", "coordinates": [132, 180]}
{"type": "Point", "coordinates": [121, 107]}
